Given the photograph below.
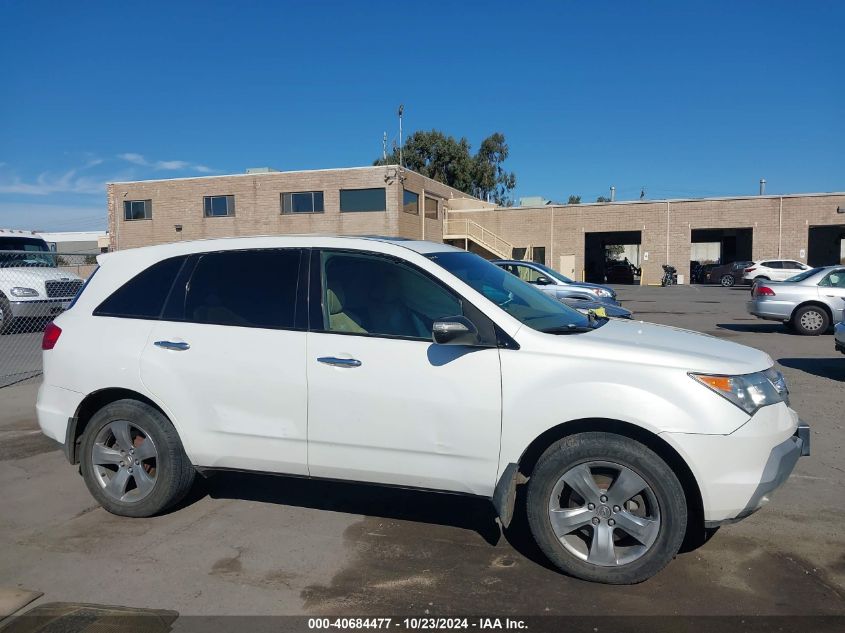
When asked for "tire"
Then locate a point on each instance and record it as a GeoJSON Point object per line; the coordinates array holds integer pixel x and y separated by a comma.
{"type": "Point", "coordinates": [161, 474]}
{"type": "Point", "coordinates": [727, 281]}
{"type": "Point", "coordinates": [810, 320]}
{"type": "Point", "coordinates": [660, 506]}
{"type": "Point", "coordinates": [6, 317]}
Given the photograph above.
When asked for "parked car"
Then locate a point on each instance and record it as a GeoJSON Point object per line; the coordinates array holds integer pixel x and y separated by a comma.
{"type": "Point", "coordinates": [808, 302]}
{"type": "Point", "coordinates": [839, 337]}
{"type": "Point", "coordinates": [556, 284]}
{"type": "Point", "coordinates": [419, 365]}
{"type": "Point", "coordinates": [726, 275]}
{"type": "Point", "coordinates": [772, 270]}
{"type": "Point", "coordinates": [31, 284]}
{"type": "Point", "coordinates": [620, 272]}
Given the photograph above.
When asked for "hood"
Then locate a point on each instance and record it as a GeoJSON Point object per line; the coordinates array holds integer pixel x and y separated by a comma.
{"type": "Point", "coordinates": [33, 276]}
{"type": "Point", "coordinates": [636, 341]}
{"type": "Point", "coordinates": [588, 285]}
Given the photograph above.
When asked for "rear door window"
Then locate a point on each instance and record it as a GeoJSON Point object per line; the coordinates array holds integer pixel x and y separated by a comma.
{"type": "Point", "coordinates": [256, 288]}
{"type": "Point", "coordinates": [143, 296]}
{"type": "Point", "coordinates": [775, 265]}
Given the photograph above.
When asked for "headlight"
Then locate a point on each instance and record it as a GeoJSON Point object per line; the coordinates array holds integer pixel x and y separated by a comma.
{"type": "Point", "coordinates": [23, 292]}
{"type": "Point", "coordinates": [749, 392]}
{"type": "Point", "coordinates": [603, 293]}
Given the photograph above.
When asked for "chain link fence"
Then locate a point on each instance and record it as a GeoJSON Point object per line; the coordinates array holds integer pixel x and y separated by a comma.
{"type": "Point", "coordinates": [35, 286]}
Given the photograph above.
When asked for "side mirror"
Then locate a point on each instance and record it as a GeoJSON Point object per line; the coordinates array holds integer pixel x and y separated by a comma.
{"type": "Point", "coordinates": [543, 281]}
{"type": "Point", "coordinates": [456, 330]}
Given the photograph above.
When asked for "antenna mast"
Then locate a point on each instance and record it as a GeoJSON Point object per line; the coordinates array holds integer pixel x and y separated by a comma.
{"type": "Point", "coordinates": [401, 110]}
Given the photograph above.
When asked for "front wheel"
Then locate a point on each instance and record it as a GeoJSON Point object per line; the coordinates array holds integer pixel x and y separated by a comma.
{"type": "Point", "coordinates": [605, 508]}
{"type": "Point", "coordinates": [133, 461]}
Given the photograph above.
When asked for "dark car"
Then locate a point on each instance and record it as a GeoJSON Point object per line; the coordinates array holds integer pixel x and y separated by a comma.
{"type": "Point", "coordinates": [620, 272]}
{"type": "Point", "coordinates": [726, 275]}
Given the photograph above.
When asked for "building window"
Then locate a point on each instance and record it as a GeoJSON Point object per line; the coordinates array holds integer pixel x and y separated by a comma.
{"type": "Point", "coordinates": [137, 209]}
{"type": "Point", "coordinates": [538, 254]}
{"type": "Point", "coordinates": [219, 206]}
{"type": "Point", "coordinates": [302, 202]}
{"type": "Point", "coordinates": [410, 202]}
{"type": "Point", "coordinates": [431, 205]}
{"type": "Point", "coordinates": [352, 200]}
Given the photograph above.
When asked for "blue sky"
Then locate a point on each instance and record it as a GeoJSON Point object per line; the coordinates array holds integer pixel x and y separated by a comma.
{"type": "Point", "coordinates": [686, 99]}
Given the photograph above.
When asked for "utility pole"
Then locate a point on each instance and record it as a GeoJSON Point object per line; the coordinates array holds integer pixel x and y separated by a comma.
{"type": "Point", "coordinates": [401, 110]}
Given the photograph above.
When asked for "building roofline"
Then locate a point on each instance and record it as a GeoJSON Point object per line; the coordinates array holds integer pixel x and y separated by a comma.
{"type": "Point", "coordinates": [768, 196]}
{"type": "Point", "coordinates": [292, 171]}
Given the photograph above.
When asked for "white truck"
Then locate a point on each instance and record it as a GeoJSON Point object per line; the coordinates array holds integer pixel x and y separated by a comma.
{"type": "Point", "coordinates": [32, 286]}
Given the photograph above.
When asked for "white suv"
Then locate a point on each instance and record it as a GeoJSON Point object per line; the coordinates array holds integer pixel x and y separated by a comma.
{"type": "Point", "coordinates": [419, 365]}
{"type": "Point", "coordinates": [31, 284]}
{"type": "Point", "coordinates": [772, 270]}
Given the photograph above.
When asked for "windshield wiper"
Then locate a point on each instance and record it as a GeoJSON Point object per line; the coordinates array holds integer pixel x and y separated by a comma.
{"type": "Point", "coordinates": [572, 328]}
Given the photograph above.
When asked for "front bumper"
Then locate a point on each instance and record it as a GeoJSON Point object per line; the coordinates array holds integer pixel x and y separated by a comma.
{"type": "Point", "coordinates": [39, 308]}
{"type": "Point", "coordinates": [738, 473]}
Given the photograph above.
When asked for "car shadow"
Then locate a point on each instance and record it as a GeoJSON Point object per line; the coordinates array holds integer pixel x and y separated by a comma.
{"type": "Point", "coordinates": [832, 368]}
{"type": "Point", "coordinates": [757, 328]}
{"type": "Point", "coordinates": [450, 510]}
{"type": "Point", "coordinates": [460, 511]}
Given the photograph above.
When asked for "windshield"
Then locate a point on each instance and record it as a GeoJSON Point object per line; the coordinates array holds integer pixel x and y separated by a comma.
{"type": "Point", "coordinates": [804, 275]}
{"type": "Point", "coordinates": [553, 273]}
{"type": "Point", "coordinates": [18, 252]}
{"type": "Point", "coordinates": [521, 300]}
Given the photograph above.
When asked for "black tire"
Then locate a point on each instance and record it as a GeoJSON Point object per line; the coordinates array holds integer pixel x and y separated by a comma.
{"type": "Point", "coordinates": [173, 472]}
{"type": "Point", "coordinates": [727, 281]}
{"type": "Point", "coordinates": [810, 320]}
{"type": "Point", "coordinates": [580, 449]}
{"type": "Point", "coordinates": [6, 318]}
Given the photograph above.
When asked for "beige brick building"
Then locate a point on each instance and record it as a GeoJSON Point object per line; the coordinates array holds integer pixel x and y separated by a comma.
{"type": "Point", "coordinates": [388, 201]}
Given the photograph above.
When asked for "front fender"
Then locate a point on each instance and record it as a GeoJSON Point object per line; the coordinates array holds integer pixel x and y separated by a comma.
{"type": "Point", "coordinates": [541, 391]}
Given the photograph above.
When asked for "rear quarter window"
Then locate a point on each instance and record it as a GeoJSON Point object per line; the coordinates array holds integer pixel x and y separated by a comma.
{"type": "Point", "coordinates": [143, 296]}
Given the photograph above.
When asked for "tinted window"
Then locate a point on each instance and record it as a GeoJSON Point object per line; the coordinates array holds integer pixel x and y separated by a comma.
{"type": "Point", "coordinates": [143, 296]}
{"type": "Point", "coordinates": [137, 209]}
{"type": "Point", "coordinates": [218, 206]}
{"type": "Point", "coordinates": [244, 288]}
{"type": "Point", "coordinates": [431, 205]}
{"type": "Point", "coordinates": [410, 202]}
{"type": "Point", "coordinates": [302, 202]}
{"type": "Point", "coordinates": [363, 199]}
{"type": "Point", "coordinates": [792, 265]}
{"type": "Point", "coordinates": [366, 294]}
{"type": "Point", "coordinates": [776, 265]}
{"type": "Point", "coordinates": [538, 254]}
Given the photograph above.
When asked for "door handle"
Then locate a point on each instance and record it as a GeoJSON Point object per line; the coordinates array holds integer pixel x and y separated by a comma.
{"type": "Point", "coordinates": [339, 362]}
{"type": "Point", "coordinates": [176, 346]}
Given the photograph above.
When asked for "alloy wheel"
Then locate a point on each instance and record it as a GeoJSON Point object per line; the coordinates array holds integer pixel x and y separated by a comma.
{"type": "Point", "coordinates": [124, 461]}
{"type": "Point", "coordinates": [604, 513]}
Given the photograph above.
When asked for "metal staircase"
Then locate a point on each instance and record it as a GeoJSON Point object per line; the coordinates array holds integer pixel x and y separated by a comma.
{"type": "Point", "coordinates": [469, 230]}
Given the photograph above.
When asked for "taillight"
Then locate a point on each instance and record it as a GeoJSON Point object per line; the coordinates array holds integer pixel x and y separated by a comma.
{"type": "Point", "coordinates": [764, 291]}
{"type": "Point", "coordinates": [750, 270]}
{"type": "Point", "coordinates": [51, 336]}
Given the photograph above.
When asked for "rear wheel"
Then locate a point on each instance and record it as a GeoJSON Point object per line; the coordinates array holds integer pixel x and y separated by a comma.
{"type": "Point", "coordinates": [727, 281]}
{"type": "Point", "coordinates": [606, 508]}
{"type": "Point", "coordinates": [133, 461]}
{"type": "Point", "coordinates": [810, 320]}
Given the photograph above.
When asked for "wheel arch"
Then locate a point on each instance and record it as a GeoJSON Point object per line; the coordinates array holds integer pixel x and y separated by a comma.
{"type": "Point", "coordinates": [92, 403]}
{"type": "Point", "coordinates": [816, 304]}
{"type": "Point", "coordinates": [531, 455]}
